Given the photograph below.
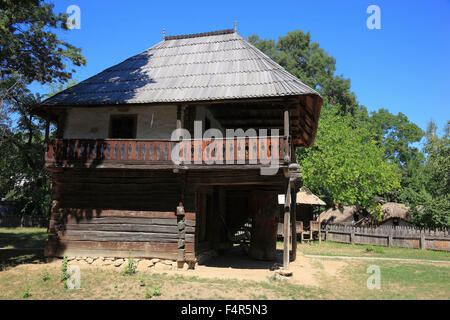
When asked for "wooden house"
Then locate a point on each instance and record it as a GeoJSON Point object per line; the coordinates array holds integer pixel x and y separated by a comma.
{"type": "Point", "coordinates": [122, 182]}
{"type": "Point", "coordinates": [306, 201]}
{"type": "Point", "coordinates": [396, 214]}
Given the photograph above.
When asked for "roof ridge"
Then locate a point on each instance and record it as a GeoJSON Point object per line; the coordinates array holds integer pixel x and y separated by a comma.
{"type": "Point", "coordinates": [198, 35]}
{"type": "Point", "coordinates": [184, 54]}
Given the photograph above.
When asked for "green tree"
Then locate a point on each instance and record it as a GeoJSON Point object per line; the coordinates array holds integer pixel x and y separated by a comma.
{"type": "Point", "coordinates": [428, 193]}
{"type": "Point", "coordinates": [30, 51]}
{"type": "Point", "coordinates": [397, 134]}
{"type": "Point", "coordinates": [345, 164]}
{"type": "Point", "coordinates": [302, 57]}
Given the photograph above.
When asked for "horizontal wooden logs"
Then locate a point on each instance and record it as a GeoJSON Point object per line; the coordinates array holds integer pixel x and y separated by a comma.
{"type": "Point", "coordinates": [99, 213]}
{"type": "Point", "coordinates": [117, 249]}
{"type": "Point", "coordinates": [111, 220]}
{"type": "Point", "coordinates": [132, 227]}
{"type": "Point", "coordinates": [88, 235]}
{"type": "Point", "coordinates": [79, 235]}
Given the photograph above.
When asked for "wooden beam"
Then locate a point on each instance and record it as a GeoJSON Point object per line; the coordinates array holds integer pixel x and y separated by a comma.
{"type": "Point", "coordinates": [287, 157]}
{"type": "Point", "coordinates": [287, 209]}
{"type": "Point", "coordinates": [293, 221]}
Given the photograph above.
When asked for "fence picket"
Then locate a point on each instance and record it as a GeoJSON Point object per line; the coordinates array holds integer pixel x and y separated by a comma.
{"type": "Point", "coordinates": [400, 236]}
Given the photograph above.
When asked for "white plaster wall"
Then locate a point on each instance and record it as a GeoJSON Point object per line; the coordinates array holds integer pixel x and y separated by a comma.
{"type": "Point", "coordinates": [153, 122]}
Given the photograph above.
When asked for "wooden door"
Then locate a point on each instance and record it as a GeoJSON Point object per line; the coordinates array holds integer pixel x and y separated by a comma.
{"type": "Point", "coordinates": [265, 215]}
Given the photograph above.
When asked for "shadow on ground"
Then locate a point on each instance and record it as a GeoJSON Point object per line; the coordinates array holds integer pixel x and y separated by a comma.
{"type": "Point", "coordinates": [21, 247]}
{"type": "Point", "coordinates": [236, 258]}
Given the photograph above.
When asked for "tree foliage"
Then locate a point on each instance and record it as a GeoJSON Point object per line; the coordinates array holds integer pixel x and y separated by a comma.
{"type": "Point", "coordinates": [29, 46]}
{"type": "Point", "coordinates": [30, 51]}
{"type": "Point", "coordinates": [359, 156]}
{"type": "Point", "coordinates": [302, 57]}
{"type": "Point", "coordinates": [429, 187]}
{"type": "Point", "coordinates": [345, 164]}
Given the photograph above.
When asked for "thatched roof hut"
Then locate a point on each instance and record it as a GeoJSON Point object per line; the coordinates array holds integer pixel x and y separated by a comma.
{"type": "Point", "coordinates": [395, 214]}
{"type": "Point", "coordinates": [395, 210]}
{"type": "Point", "coordinates": [305, 196]}
{"type": "Point", "coordinates": [336, 215]}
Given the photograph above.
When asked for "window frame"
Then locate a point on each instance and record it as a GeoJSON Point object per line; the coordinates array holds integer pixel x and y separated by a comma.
{"type": "Point", "coordinates": [114, 117]}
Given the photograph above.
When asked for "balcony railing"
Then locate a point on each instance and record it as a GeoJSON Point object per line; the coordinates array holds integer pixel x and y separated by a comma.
{"type": "Point", "coordinates": [122, 152]}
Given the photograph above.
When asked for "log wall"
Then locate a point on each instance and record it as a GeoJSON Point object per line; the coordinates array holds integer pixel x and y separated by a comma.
{"type": "Point", "coordinates": [113, 213]}
{"type": "Point", "coordinates": [108, 213]}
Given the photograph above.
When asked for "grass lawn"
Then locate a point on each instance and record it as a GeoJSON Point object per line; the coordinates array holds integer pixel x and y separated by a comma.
{"type": "Point", "coordinates": [21, 245]}
{"type": "Point", "coordinates": [25, 276]}
{"type": "Point", "coordinates": [327, 248]}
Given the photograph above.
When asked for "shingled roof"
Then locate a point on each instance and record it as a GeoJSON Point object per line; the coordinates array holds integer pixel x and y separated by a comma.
{"type": "Point", "coordinates": [204, 67]}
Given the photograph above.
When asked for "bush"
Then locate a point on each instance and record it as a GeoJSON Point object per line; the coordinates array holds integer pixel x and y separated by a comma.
{"type": "Point", "coordinates": [374, 249]}
{"type": "Point", "coordinates": [130, 268]}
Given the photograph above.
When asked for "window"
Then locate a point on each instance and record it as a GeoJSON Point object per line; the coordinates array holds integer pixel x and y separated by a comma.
{"type": "Point", "coordinates": [122, 126]}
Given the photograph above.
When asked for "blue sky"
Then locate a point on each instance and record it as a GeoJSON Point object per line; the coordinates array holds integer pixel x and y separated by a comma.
{"type": "Point", "coordinates": [403, 67]}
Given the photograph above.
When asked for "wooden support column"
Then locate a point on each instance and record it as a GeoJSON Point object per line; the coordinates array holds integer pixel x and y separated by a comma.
{"type": "Point", "coordinates": [287, 140]}
{"type": "Point", "coordinates": [287, 202]}
{"type": "Point", "coordinates": [293, 220]}
{"type": "Point", "coordinates": [61, 123]}
{"type": "Point", "coordinates": [47, 129]}
{"type": "Point", "coordinates": [181, 235]}
{"type": "Point", "coordinates": [286, 231]}
{"type": "Point", "coordinates": [181, 222]}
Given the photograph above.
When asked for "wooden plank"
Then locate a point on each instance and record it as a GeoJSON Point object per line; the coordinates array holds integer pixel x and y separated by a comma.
{"type": "Point", "coordinates": [189, 247]}
{"type": "Point", "coordinates": [117, 249]}
{"type": "Point", "coordinates": [190, 238]}
{"type": "Point", "coordinates": [120, 245]}
{"type": "Point", "coordinates": [189, 216]}
{"type": "Point", "coordinates": [100, 213]}
{"type": "Point", "coordinates": [122, 227]}
{"type": "Point", "coordinates": [117, 236]}
{"type": "Point", "coordinates": [111, 220]}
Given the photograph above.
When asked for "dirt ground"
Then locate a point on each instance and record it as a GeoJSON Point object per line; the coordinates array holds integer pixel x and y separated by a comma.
{"type": "Point", "coordinates": [234, 265]}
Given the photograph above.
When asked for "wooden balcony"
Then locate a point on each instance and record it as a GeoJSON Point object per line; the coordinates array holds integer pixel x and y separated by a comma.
{"type": "Point", "coordinates": [158, 154]}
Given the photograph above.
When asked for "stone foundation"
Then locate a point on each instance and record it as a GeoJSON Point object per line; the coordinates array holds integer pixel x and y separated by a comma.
{"type": "Point", "coordinates": [141, 264]}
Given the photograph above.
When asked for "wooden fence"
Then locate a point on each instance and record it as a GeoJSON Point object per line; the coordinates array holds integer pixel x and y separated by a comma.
{"type": "Point", "coordinates": [13, 221]}
{"type": "Point", "coordinates": [405, 237]}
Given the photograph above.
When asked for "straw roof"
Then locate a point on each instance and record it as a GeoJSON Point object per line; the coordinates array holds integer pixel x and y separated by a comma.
{"type": "Point", "coordinates": [305, 196]}
{"type": "Point", "coordinates": [395, 210]}
{"type": "Point", "coordinates": [188, 68]}
{"type": "Point", "coordinates": [336, 215]}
